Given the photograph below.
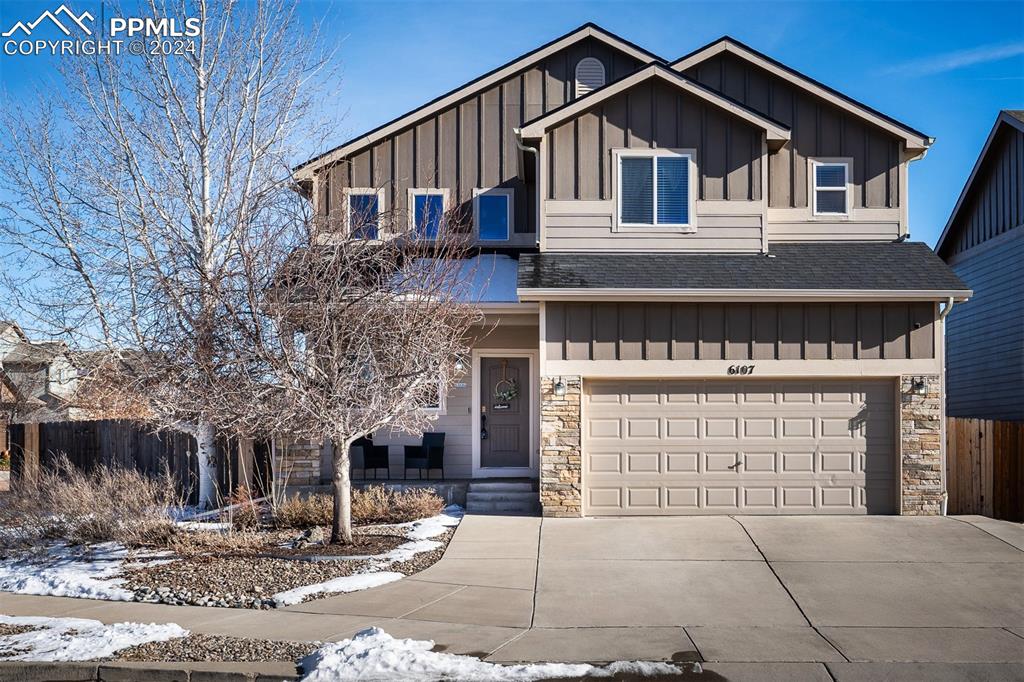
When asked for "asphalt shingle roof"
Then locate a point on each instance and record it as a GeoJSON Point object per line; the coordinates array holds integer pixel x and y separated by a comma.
{"type": "Point", "coordinates": [889, 266]}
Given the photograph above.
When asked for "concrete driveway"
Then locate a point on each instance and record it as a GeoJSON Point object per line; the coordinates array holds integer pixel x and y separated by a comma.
{"type": "Point", "coordinates": [756, 598]}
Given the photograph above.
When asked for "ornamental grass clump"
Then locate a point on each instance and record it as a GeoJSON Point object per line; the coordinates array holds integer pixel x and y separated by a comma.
{"type": "Point", "coordinates": [372, 505]}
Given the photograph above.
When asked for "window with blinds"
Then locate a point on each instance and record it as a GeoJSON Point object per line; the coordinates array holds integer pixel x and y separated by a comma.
{"type": "Point", "coordinates": [654, 189]}
{"type": "Point", "coordinates": [589, 75]}
{"type": "Point", "coordinates": [830, 191]}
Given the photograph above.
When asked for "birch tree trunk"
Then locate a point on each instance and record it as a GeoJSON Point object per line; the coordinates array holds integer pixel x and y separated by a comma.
{"type": "Point", "coordinates": [341, 522]}
{"type": "Point", "coordinates": [206, 447]}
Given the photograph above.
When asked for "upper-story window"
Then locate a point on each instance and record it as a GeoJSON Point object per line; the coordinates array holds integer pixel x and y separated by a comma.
{"type": "Point", "coordinates": [363, 206]}
{"type": "Point", "coordinates": [830, 186]}
{"type": "Point", "coordinates": [426, 211]}
{"type": "Point", "coordinates": [492, 213]}
{"type": "Point", "coordinates": [655, 188]}
{"type": "Point", "coordinates": [589, 75]}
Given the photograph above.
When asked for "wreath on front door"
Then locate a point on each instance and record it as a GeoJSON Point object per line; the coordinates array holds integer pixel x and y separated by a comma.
{"type": "Point", "coordinates": [506, 390]}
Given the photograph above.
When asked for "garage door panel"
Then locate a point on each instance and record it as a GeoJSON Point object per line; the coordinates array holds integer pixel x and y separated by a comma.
{"type": "Point", "coordinates": [775, 447]}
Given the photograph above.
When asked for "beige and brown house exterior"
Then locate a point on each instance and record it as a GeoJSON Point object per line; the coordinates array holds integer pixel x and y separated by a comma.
{"type": "Point", "coordinates": [703, 285]}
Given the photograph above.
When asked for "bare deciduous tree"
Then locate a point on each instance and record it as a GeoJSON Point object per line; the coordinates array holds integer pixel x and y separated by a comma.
{"type": "Point", "coordinates": [133, 187]}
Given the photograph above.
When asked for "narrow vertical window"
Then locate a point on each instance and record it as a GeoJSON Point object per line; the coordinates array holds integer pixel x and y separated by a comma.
{"type": "Point", "coordinates": [493, 213]}
{"type": "Point", "coordinates": [830, 187]}
{"type": "Point", "coordinates": [363, 212]}
{"type": "Point", "coordinates": [427, 212]}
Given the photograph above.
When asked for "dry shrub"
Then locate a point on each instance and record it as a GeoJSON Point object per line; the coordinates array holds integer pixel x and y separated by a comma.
{"type": "Point", "coordinates": [247, 513]}
{"type": "Point", "coordinates": [106, 504]}
{"type": "Point", "coordinates": [375, 504]}
{"type": "Point", "coordinates": [203, 543]}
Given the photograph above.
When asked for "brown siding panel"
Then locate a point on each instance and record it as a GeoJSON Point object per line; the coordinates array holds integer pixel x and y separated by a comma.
{"type": "Point", "coordinates": [685, 331]}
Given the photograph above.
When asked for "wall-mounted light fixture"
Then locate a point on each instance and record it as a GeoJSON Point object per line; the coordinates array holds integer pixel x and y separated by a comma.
{"type": "Point", "coordinates": [918, 386]}
{"type": "Point", "coordinates": [559, 388]}
{"type": "Point", "coordinates": [461, 364]}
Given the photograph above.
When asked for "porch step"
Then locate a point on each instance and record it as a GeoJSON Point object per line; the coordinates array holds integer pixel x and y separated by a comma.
{"type": "Point", "coordinates": [502, 502]}
{"type": "Point", "coordinates": [500, 487]}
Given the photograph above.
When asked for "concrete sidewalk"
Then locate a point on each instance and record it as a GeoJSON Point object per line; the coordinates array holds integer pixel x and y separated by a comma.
{"type": "Point", "coordinates": [792, 598]}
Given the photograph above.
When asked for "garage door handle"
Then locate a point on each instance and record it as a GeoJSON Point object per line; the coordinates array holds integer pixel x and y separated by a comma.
{"type": "Point", "coordinates": [735, 466]}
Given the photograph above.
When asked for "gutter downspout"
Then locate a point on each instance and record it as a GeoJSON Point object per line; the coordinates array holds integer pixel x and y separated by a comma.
{"type": "Point", "coordinates": [536, 176]}
{"type": "Point", "coordinates": [943, 314]}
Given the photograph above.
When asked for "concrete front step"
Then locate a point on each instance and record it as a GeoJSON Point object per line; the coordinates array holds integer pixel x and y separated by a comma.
{"type": "Point", "coordinates": [510, 508]}
{"type": "Point", "coordinates": [500, 487]}
{"type": "Point", "coordinates": [522, 498]}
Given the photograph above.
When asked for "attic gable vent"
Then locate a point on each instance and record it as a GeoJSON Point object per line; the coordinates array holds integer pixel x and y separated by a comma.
{"type": "Point", "coordinates": [589, 75]}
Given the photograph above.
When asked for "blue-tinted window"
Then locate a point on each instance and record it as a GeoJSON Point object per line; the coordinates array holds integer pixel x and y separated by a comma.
{"type": "Point", "coordinates": [428, 214]}
{"type": "Point", "coordinates": [673, 190]}
{"type": "Point", "coordinates": [830, 188]}
{"type": "Point", "coordinates": [493, 216]}
{"type": "Point", "coordinates": [637, 190]}
{"type": "Point", "coordinates": [364, 215]}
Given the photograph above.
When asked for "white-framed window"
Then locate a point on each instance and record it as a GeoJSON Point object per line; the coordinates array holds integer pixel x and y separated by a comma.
{"type": "Point", "coordinates": [436, 400]}
{"type": "Point", "coordinates": [655, 189]}
{"type": "Point", "coordinates": [830, 187]}
{"type": "Point", "coordinates": [427, 211]}
{"type": "Point", "coordinates": [589, 75]}
{"type": "Point", "coordinates": [363, 209]}
{"type": "Point", "coordinates": [493, 213]}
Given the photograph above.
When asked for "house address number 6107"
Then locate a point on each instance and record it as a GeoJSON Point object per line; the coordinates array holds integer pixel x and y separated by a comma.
{"type": "Point", "coordinates": [741, 369]}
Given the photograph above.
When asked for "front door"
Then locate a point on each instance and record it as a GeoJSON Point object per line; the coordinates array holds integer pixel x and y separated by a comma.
{"type": "Point", "coordinates": [505, 412]}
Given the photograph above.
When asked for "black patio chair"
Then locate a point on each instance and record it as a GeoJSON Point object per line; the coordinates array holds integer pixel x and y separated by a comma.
{"type": "Point", "coordinates": [365, 455]}
{"type": "Point", "coordinates": [429, 455]}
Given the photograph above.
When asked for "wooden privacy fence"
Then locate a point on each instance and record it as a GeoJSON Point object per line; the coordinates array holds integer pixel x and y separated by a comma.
{"type": "Point", "coordinates": [112, 443]}
{"type": "Point", "coordinates": [985, 467]}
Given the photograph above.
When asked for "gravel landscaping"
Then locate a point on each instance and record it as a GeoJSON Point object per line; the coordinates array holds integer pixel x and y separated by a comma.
{"type": "Point", "coordinates": [251, 581]}
{"type": "Point", "coordinates": [217, 649]}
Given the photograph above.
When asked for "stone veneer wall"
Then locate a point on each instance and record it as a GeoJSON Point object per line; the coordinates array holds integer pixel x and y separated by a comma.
{"type": "Point", "coordinates": [561, 451]}
{"type": "Point", "coordinates": [921, 447]}
{"type": "Point", "coordinates": [300, 463]}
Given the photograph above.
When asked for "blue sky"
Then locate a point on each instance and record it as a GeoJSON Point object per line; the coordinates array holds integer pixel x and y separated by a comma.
{"type": "Point", "coordinates": [945, 68]}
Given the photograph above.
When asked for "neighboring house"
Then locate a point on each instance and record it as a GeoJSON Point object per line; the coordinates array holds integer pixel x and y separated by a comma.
{"type": "Point", "coordinates": [716, 307]}
{"type": "Point", "coordinates": [984, 244]}
{"type": "Point", "coordinates": [40, 378]}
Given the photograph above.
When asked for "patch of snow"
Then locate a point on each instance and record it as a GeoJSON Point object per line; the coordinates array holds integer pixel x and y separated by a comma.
{"type": "Point", "coordinates": [375, 655]}
{"type": "Point", "coordinates": [425, 529]}
{"type": "Point", "coordinates": [65, 571]}
{"type": "Point", "coordinates": [348, 583]}
{"type": "Point", "coordinates": [79, 639]}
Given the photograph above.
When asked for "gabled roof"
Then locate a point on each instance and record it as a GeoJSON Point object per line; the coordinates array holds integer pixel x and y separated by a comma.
{"type": "Point", "coordinates": [1007, 117]}
{"type": "Point", "coordinates": [914, 139]}
{"type": "Point", "coordinates": [799, 270]}
{"type": "Point", "coordinates": [588, 30]}
{"type": "Point", "coordinates": [776, 131]}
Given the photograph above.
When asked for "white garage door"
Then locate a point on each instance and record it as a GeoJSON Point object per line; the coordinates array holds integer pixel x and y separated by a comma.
{"type": "Point", "coordinates": [739, 447]}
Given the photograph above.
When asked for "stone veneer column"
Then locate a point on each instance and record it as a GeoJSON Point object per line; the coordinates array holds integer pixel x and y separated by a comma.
{"type": "Point", "coordinates": [561, 492]}
{"type": "Point", "coordinates": [921, 447]}
{"type": "Point", "coordinates": [300, 463]}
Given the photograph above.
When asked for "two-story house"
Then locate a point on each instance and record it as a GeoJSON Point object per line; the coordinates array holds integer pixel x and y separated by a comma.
{"type": "Point", "coordinates": [716, 306]}
{"type": "Point", "coordinates": [984, 244]}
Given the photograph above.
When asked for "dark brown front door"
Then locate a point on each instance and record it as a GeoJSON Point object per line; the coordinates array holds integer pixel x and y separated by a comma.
{"type": "Point", "coordinates": [504, 417]}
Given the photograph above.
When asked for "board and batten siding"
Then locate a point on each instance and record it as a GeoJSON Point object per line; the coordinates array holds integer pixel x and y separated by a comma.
{"type": "Point", "coordinates": [739, 331]}
{"type": "Point", "coordinates": [819, 130]}
{"type": "Point", "coordinates": [996, 204]}
{"type": "Point", "coordinates": [471, 144]}
{"type": "Point", "coordinates": [985, 335]}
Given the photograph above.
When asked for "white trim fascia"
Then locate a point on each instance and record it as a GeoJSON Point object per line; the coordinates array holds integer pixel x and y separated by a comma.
{"type": "Point", "coordinates": [509, 308]}
{"type": "Point", "coordinates": [912, 140]}
{"type": "Point", "coordinates": [538, 127]}
{"type": "Point", "coordinates": [624, 294]}
{"type": "Point", "coordinates": [306, 170]}
{"type": "Point", "coordinates": [532, 471]}
{"type": "Point", "coordinates": [1000, 120]}
{"type": "Point", "coordinates": [763, 369]}
{"type": "Point", "coordinates": [510, 212]}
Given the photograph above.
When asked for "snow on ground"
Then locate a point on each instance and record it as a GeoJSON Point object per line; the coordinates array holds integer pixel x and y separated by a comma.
{"type": "Point", "coordinates": [375, 655]}
{"type": "Point", "coordinates": [418, 533]}
{"type": "Point", "coordinates": [348, 583]}
{"type": "Point", "coordinates": [78, 639]}
{"type": "Point", "coordinates": [66, 571]}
